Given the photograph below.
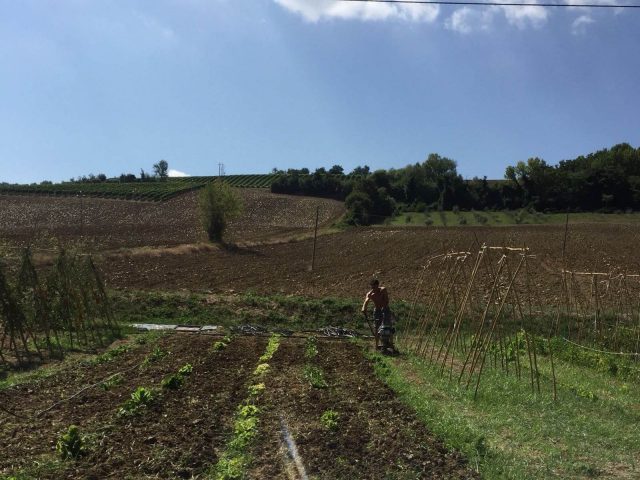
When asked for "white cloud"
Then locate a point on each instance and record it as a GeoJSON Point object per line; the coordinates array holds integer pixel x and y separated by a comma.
{"type": "Point", "coordinates": [177, 173]}
{"type": "Point", "coordinates": [316, 10]}
{"type": "Point", "coordinates": [481, 19]}
{"type": "Point", "coordinates": [579, 25]}
{"type": "Point", "coordinates": [464, 20]}
{"type": "Point", "coordinates": [522, 17]}
{"type": "Point", "coordinates": [471, 19]}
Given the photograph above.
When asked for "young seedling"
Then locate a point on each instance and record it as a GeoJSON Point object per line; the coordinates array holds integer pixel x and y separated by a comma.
{"type": "Point", "coordinates": [311, 348]}
{"type": "Point", "coordinates": [156, 355]}
{"type": "Point", "coordinates": [315, 376]}
{"type": "Point", "coordinates": [329, 419]}
{"type": "Point", "coordinates": [70, 445]}
{"type": "Point", "coordinates": [261, 369]}
{"type": "Point", "coordinates": [140, 398]}
{"type": "Point", "coordinates": [172, 382]}
{"type": "Point", "coordinates": [111, 382]}
{"type": "Point", "coordinates": [257, 389]}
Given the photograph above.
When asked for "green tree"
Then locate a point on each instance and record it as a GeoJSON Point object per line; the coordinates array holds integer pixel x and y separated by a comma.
{"type": "Point", "coordinates": [359, 207]}
{"type": "Point", "coordinates": [218, 205]}
{"type": "Point", "coordinates": [161, 169]}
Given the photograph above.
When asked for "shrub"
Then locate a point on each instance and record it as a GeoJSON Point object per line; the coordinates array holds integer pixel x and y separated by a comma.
{"type": "Point", "coordinates": [218, 205]}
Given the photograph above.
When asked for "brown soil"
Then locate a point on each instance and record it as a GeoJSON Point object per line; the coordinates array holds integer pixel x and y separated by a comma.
{"type": "Point", "coordinates": [181, 435]}
{"type": "Point", "coordinates": [96, 224]}
{"type": "Point", "coordinates": [95, 410]}
{"type": "Point", "coordinates": [376, 437]}
{"type": "Point", "coordinates": [345, 261]}
{"type": "Point", "coordinates": [184, 432]}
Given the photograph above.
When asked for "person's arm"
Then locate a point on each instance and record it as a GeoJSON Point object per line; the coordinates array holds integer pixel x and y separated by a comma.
{"type": "Point", "coordinates": [366, 302]}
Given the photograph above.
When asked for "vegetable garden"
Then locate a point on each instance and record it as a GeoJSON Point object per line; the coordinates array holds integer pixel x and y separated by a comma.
{"type": "Point", "coordinates": [243, 409]}
{"type": "Point", "coordinates": [479, 310]}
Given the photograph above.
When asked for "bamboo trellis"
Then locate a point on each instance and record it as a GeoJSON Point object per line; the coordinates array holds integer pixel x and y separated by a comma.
{"type": "Point", "coordinates": [498, 307]}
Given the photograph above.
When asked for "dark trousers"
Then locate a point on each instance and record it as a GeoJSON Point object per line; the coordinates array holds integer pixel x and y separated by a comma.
{"type": "Point", "coordinates": [382, 316]}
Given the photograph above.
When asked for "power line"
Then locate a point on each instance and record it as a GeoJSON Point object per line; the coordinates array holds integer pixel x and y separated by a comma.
{"type": "Point", "coordinates": [495, 4]}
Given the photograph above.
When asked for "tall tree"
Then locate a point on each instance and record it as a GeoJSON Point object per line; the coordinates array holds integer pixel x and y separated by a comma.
{"type": "Point", "coordinates": [161, 169]}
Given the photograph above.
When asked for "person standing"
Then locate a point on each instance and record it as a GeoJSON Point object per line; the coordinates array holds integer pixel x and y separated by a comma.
{"type": "Point", "coordinates": [381, 313]}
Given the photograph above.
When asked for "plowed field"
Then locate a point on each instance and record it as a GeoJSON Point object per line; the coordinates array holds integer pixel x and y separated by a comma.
{"type": "Point", "coordinates": [345, 261]}
{"type": "Point", "coordinates": [106, 224]}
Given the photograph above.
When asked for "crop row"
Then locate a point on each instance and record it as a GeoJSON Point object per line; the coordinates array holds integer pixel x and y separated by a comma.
{"type": "Point", "coordinates": [150, 191]}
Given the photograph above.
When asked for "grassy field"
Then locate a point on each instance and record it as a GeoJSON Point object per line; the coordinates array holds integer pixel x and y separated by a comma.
{"type": "Point", "coordinates": [507, 217]}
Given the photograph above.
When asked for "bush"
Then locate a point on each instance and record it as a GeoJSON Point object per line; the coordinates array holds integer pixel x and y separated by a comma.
{"type": "Point", "coordinates": [218, 205]}
{"type": "Point", "coordinates": [359, 206]}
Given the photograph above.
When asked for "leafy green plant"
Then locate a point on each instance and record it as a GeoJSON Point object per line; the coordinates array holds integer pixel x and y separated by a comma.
{"type": "Point", "coordinates": [329, 419]}
{"type": "Point", "coordinates": [272, 346]}
{"type": "Point", "coordinates": [221, 344]}
{"type": "Point", "coordinates": [111, 354]}
{"type": "Point", "coordinates": [185, 370]}
{"type": "Point", "coordinates": [311, 347]}
{"type": "Point", "coordinates": [156, 355]}
{"type": "Point", "coordinates": [112, 381]}
{"type": "Point", "coordinates": [71, 444]}
{"type": "Point", "coordinates": [257, 389]}
{"type": "Point", "coordinates": [261, 369]}
{"type": "Point", "coordinates": [172, 382]}
{"type": "Point", "coordinates": [140, 398]}
{"type": "Point", "coordinates": [315, 376]}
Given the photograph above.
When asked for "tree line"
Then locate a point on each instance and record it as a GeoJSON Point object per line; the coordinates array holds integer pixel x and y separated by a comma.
{"type": "Point", "coordinates": [607, 180]}
{"type": "Point", "coordinates": [160, 172]}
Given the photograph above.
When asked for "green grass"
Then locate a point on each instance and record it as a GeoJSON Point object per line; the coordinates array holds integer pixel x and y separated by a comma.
{"type": "Point", "coordinates": [591, 431]}
{"type": "Point", "coordinates": [274, 311]}
{"type": "Point", "coordinates": [507, 217]}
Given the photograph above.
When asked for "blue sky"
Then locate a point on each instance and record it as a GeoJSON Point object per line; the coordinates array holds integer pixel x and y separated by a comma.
{"type": "Point", "coordinates": [114, 86]}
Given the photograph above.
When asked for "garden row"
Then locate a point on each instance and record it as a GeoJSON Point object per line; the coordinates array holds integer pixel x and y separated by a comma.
{"type": "Point", "coordinates": [193, 406]}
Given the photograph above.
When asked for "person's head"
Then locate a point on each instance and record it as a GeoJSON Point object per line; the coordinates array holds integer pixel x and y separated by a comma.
{"type": "Point", "coordinates": [375, 283]}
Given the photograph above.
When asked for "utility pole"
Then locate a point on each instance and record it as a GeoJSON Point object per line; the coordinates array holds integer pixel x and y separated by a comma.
{"type": "Point", "coordinates": [315, 238]}
{"type": "Point", "coordinates": [81, 215]}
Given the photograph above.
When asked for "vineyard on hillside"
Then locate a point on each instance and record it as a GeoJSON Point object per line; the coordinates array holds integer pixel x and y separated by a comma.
{"type": "Point", "coordinates": [151, 191]}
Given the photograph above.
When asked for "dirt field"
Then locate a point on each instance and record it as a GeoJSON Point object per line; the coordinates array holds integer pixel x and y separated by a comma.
{"type": "Point", "coordinates": [108, 224]}
{"type": "Point", "coordinates": [184, 431]}
{"type": "Point", "coordinates": [345, 261]}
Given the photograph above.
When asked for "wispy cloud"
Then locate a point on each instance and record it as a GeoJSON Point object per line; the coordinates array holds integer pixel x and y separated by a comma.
{"type": "Point", "coordinates": [177, 173]}
{"type": "Point", "coordinates": [469, 19]}
{"type": "Point", "coordinates": [579, 25]}
{"type": "Point", "coordinates": [317, 10]}
{"type": "Point", "coordinates": [523, 17]}
{"type": "Point", "coordinates": [464, 20]}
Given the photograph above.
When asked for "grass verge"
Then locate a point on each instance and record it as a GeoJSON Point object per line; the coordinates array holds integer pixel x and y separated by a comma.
{"type": "Point", "coordinates": [508, 432]}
